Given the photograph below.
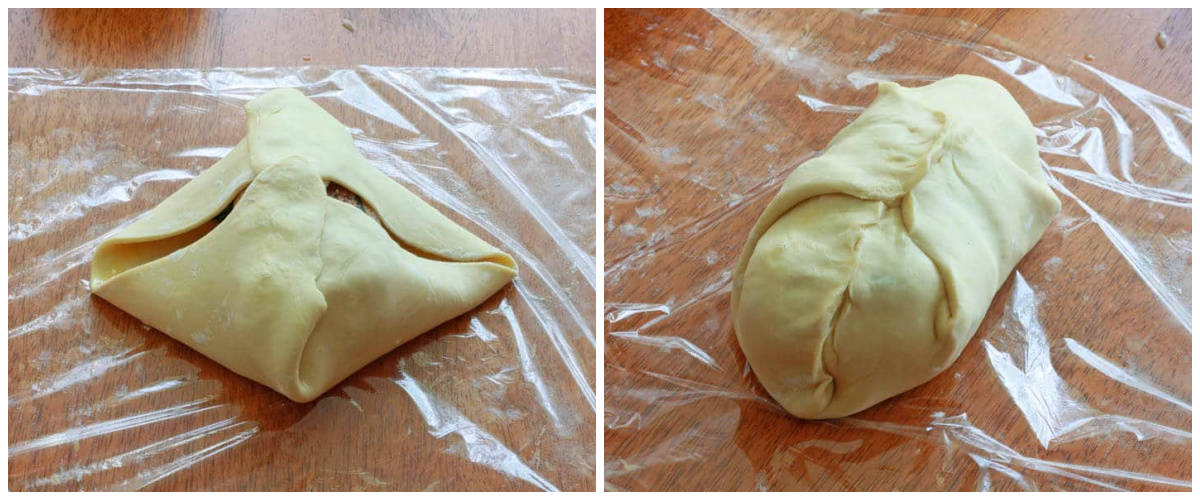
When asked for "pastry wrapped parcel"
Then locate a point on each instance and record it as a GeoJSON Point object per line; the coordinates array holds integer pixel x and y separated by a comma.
{"type": "Point", "coordinates": [875, 263]}
{"type": "Point", "coordinates": [294, 289]}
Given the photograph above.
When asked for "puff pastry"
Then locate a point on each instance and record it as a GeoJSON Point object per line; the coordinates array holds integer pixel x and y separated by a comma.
{"type": "Point", "coordinates": [294, 289]}
{"type": "Point", "coordinates": [875, 263]}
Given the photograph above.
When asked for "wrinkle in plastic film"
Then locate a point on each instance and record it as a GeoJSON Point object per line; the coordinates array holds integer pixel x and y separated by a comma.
{"type": "Point", "coordinates": [1079, 377]}
{"type": "Point", "coordinates": [499, 398]}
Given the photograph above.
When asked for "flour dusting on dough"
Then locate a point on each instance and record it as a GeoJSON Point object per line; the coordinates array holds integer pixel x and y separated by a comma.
{"type": "Point", "coordinates": [202, 336]}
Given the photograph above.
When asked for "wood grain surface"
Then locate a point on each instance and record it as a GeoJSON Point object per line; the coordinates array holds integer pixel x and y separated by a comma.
{"type": "Point", "coordinates": [204, 38]}
{"type": "Point", "coordinates": [702, 123]}
{"type": "Point", "coordinates": [146, 412]}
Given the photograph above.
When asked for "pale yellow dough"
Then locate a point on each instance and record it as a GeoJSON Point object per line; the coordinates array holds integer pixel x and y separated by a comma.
{"type": "Point", "coordinates": [294, 289]}
{"type": "Point", "coordinates": [875, 263]}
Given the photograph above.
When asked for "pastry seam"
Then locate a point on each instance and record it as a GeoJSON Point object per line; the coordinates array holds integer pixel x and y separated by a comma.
{"type": "Point", "coordinates": [302, 384]}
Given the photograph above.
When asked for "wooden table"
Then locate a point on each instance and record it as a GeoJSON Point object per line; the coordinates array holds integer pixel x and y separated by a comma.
{"type": "Point", "coordinates": [706, 113]}
{"type": "Point", "coordinates": [98, 401]}
{"type": "Point", "coordinates": [151, 38]}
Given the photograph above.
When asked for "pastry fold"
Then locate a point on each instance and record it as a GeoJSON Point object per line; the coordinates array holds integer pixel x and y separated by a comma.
{"type": "Point", "coordinates": [292, 288]}
{"type": "Point", "coordinates": [875, 263]}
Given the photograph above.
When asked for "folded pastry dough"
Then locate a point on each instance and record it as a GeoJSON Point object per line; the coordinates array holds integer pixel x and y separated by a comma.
{"type": "Point", "coordinates": [875, 263]}
{"type": "Point", "coordinates": [294, 289]}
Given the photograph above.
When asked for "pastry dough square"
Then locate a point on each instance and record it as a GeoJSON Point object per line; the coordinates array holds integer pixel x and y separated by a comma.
{"type": "Point", "coordinates": [292, 288]}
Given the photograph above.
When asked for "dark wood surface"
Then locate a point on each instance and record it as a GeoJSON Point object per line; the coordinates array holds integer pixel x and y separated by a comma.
{"type": "Point", "coordinates": [203, 38]}
{"type": "Point", "coordinates": [147, 412]}
{"type": "Point", "coordinates": [680, 422]}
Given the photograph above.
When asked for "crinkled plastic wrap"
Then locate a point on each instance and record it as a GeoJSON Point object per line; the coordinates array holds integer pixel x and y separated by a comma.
{"type": "Point", "coordinates": [1079, 377]}
{"type": "Point", "coordinates": [499, 398]}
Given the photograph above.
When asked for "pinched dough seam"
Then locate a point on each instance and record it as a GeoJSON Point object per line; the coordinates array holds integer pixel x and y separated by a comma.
{"type": "Point", "coordinates": [301, 381]}
{"type": "Point", "coordinates": [924, 163]}
{"type": "Point", "coordinates": [829, 342]}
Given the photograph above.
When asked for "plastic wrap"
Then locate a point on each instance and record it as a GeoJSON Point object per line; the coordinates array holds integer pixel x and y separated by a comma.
{"type": "Point", "coordinates": [1079, 376]}
{"type": "Point", "coordinates": [499, 398]}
